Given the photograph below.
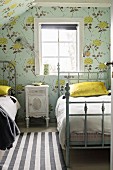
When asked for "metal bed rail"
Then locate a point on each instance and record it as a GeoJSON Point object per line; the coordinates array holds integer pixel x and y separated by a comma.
{"type": "Point", "coordinates": [76, 77]}
{"type": "Point", "coordinates": [8, 75]}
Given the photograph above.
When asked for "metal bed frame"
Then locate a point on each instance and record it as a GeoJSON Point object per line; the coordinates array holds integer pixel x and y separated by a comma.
{"type": "Point", "coordinates": [8, 75]}
{"type": "Point", "coordinates": [80, 78]}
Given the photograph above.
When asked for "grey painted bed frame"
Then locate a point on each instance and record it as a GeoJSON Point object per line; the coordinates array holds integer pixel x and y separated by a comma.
{"type": "Point", "coordinates": [8, 73]}
{"type": "Point", "coordinates": [68, 144]}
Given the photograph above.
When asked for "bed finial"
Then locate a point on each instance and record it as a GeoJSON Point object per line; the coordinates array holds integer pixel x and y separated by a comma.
{"type": "Point", "coordinates": [67, 88]}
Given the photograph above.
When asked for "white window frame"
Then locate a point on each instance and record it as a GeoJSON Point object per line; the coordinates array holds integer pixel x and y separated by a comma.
{"type": "Point", "coordinates": [37, 38]}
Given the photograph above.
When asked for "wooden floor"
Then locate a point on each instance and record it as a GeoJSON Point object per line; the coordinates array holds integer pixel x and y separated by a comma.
{"type": "Point", "coordinates": [90, 159]}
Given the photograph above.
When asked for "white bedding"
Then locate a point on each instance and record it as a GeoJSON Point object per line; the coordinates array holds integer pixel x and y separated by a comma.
{"type": "Point", "coordinates": [9, 106]}
{"type": "Point", "coordinates": [77, 123]}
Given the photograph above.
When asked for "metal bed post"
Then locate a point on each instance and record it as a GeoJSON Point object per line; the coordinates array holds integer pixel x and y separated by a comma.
{"type": "Point", "coordinates": [67, 133]}
{"type": "Point", "coordinates": [78, 77]}
{"type": "Point", "coordinates": [103, 108]}
{"type": "Point", "coordinates": [10, 64]}
{"type": "Point", "coordinates": [108, 77]}
{"type": "Point", "coordinates": [97, 75]}
{"type": "Point", "coordinates": [2, 71]}
{"type": "Point", "coordinates": [58, 79]}
{"type": "Point", "coordinates": [85, 123]}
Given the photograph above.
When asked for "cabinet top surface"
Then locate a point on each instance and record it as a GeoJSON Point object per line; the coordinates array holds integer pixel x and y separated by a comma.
{"type": "Point", "coordinates": [33, 86]}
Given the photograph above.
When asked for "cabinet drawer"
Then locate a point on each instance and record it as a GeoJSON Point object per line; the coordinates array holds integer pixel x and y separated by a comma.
{"type": "Point", "coordinates": [37, 91]}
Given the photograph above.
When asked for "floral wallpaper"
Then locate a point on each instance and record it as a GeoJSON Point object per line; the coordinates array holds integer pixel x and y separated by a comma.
{"type": "Point", "coordinates": [96, 46]}
{"type": "Point", "coordinates": [11, 10]}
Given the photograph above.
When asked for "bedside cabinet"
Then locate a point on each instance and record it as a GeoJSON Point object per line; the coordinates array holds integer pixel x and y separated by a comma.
{"type": "Point", "coordinates": [37, 103]}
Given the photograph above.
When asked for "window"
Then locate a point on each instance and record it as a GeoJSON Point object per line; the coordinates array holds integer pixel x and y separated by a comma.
{"type": "Point", "coordinates": [56, 42]}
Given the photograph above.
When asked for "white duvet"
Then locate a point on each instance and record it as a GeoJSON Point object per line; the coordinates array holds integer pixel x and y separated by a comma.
{"type": "Point", "coordinates": [9, 106]}
{"type": "Point", "coordinates": [94, 123]}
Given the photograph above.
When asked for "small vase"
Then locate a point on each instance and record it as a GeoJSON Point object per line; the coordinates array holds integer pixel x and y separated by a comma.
{"type": "Point", "coordinates": [46, 69]}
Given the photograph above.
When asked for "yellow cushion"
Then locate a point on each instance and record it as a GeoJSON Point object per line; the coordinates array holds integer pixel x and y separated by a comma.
{"type": "Point", "coordinates": [4, 89]}
{"type": "Point", "coordinates": [88, 89]}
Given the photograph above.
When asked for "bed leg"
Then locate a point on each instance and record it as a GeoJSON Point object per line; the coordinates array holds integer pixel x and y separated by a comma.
{"type": "Point", "coordinates": [27, 122]}
{"type": "Point", "coordinates": [67, 127]}
{"type": "Point", "coordinates": [67, 158]}
{"type": "Point", "coordinates": [47, 121]}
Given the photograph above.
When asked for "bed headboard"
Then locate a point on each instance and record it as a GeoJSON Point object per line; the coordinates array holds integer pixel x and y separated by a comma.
{"type": "Point", "coordinates": [76, 77]}
{"type": "Point", "coordinates": [8, 75]}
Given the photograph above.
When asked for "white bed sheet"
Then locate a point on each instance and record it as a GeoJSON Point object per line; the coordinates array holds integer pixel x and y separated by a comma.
{"type": "Point", "coordinates": [77, 123]}
{"type": "Point", "coordinates": [9, 106]}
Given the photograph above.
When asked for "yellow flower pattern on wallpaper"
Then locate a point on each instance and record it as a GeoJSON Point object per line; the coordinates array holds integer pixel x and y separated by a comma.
{"type": "Point", "coordinates": [102, 26]}
{"type": "Point", "coordinates": [97, 42]}
{"type": "Point", "coordinates": [7, 1]}
{"type": "Point", "coordinates": [17, 47]}
{"type": "Point", "coordinates": [13, 22]}
{"type": "Point", "coordinates": [3, 41]}
{"type": "Point", "coordinates": [31, 61]}
{"type": "Point", "coordinates": [30, 20]}
{"type": "Point", "coordinates": [88, 61]}
{"type": "Point", "coordinates": [102, 66]}
{"type": "Point", "coordinates": [30, 65]}
{"type": "Point", "coordinates": [9, 11]}
{"type": "Point", "coordinates": [9, 14]}
{"type": "Point", "coordinates": [13, 63]}
{"type": "Point", "coordinates": [62, 82]}
{"type": "Point", "coordinates": [13, 8]}
{"type": "Point", "coordinates": [88, 20]}
{"type": "Point", "coordinates": [3, 44]}
{"type": "Point", "coordinates": [62, 85]}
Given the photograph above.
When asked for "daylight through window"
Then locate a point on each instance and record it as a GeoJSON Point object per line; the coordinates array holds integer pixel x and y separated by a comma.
{"type": "Point", "coordinates": [59, 42]}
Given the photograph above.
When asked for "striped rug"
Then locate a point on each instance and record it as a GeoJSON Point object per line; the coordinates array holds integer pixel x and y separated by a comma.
{"type": "Point", "coordinates": [34, 151]}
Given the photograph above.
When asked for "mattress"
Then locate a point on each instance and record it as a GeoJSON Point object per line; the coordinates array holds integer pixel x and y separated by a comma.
{"type": "Point", "coordinates": [94, 123]}
{"type": "Point", "coordinates": [10, 104]}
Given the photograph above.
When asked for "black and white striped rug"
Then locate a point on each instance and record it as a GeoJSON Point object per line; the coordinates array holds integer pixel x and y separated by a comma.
{"type": "Point", "coordinates": [34, 151]}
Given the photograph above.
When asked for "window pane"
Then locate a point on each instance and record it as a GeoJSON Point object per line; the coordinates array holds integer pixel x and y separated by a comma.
{"type": "Point", "coordinates": [67, 64]}
{"type": "Point", "coordinates": [67, 35]}
{"type": "Point", "coordinates": [52, 64]}
{"type": "Point", "coordinates": [49, 49]}
{"type": "Point", "coordinates": [49, 35]}
{"type": "Point", "coordinates": [59, 42]}
{"type": "Point", "coordinates": [67, 49]}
